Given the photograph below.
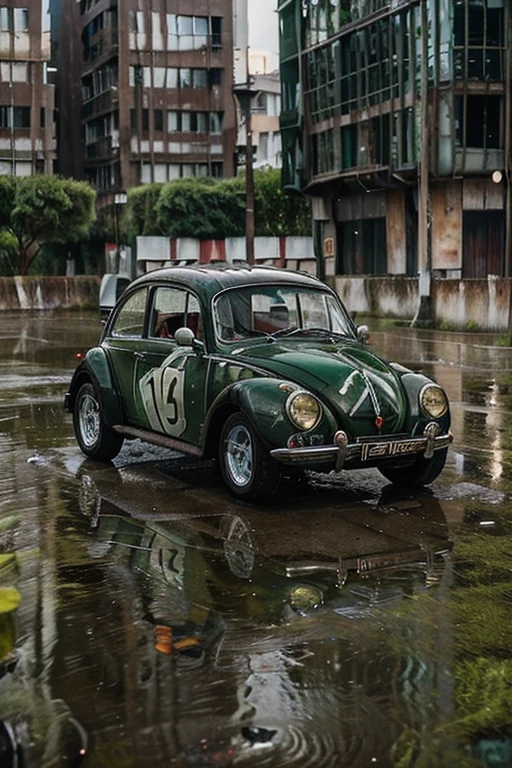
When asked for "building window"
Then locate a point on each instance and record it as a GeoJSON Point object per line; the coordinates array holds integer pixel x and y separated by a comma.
{"type": "Point", "coordinates": [144, 118]}
{"type": "Point", "coordinates": [477, 121]}
{"type": "Point", "coordinates": [20, 20]}
{"type": "Point", "coordinates": [14, 72]}
{"type": "Point", "coordinates": [263, 146]}
{"type": "Point", "coordinates": [188, 33]}
{"type": "Point", "coordinates": [216, 122]}
{"type": "Point", "coordinates": [216, 31]}
{"type": "Point", "coordinates": [14, 117]}
{"type": "Point", "coordinates": [214, 76]}
{"type": "Point", "coordinates": [197, 122]}
{"type": "Point", "coordinates": [136, 21]}
{"type": "Point", "coordinates": [479, 51]}
{"type": "Point", "coordinates": [158, 118]}
{"type": "Point", "coordinates": [323, 152]}
{"type": "Point", "coordinates": [13, 20]}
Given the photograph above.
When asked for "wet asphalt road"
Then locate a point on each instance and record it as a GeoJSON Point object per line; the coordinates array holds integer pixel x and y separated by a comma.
{"type": "Point", "coordinates": [149, 619]}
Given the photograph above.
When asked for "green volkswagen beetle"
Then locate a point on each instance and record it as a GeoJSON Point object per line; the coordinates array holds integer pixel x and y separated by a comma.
{"type": "Point", "coordinates": [261, 368]}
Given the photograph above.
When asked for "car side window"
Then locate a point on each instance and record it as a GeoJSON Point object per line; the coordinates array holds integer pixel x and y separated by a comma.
{"type": "Point", "coordinates": [194, 318]}
{"type": "Point", "coordinates": [129, 321]}
{"type": "Point", "coordinates": [168, 312]}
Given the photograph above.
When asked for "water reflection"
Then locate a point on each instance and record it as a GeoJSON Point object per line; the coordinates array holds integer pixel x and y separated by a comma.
{"type": "Point", "coordinates": [252, 636]}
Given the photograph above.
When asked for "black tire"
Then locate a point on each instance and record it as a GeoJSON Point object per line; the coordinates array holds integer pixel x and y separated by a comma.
{"type": "Point", "coordinates": [246, 467]}
{"type": "Point", "coordinates": [95, 439]}
{"type": "Point", "coordinates": [422, 472]}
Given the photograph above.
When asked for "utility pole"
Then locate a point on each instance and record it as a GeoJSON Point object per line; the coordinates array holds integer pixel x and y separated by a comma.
{"type": "Point", "coordinates": [424, 311]}
{"type": "Point", "coordinates": [244, 93]}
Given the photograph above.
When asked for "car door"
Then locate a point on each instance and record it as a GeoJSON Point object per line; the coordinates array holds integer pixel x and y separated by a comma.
{"type": "Point", "coordinates": [123, 343]}
{"type": "Point", "coordinates": [170, 380]}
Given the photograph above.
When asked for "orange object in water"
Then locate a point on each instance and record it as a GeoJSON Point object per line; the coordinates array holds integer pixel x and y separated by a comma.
{"type": "Point", "coordinates": [163, 638]}
{"type": "Point", "coordinates": [186, 642]}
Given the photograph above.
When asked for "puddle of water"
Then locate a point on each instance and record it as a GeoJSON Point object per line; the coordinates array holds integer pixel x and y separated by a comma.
{"type": "Point", "coordinates": [163, 623]}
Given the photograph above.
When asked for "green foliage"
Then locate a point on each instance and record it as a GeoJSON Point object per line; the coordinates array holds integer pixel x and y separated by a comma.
{"type": "Point", "coordinates": [8, 253]}
{"type": "Point", "coordinates": [207, 209]}
{"type": "Point", "coordinates": [277, 214]}
{"type": "Point", "coordinates": [140, 217]}
{"type": "Point", "coordinates": [484, 697]}
{"type": "Point", "coordinates": [39, 209]}
{"type": "Point", "coordinates": [201, 208]}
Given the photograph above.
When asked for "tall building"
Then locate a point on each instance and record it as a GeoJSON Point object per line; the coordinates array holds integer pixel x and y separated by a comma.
{"type": "Point", "coordinates": [154, 81]}
{"type": "Point", "coordinates": [27, 129]}
{"type": "Point", "coordinates": [396, 119]}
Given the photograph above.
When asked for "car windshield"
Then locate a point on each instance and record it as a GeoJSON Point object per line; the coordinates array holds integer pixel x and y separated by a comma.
{"type": "Point", "coordinates": [278, 310]}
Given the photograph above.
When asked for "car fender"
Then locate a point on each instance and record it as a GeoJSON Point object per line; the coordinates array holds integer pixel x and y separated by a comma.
{"type": "Point", "coordinates": [263, 400]}
{"type": "Point", "coordinates": [417, 419]}
{"type": "Point", "coordinates": [95, 367]}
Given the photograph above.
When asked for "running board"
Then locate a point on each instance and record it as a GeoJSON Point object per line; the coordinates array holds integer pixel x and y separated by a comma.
{"type": "Point", "coordinates": [162, 440]}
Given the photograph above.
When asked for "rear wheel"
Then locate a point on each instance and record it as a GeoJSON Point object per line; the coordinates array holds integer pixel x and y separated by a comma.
{"type": "Point", "coordinates": [422, 472]}
{"type": "Point", "coordinates": [247, 469]}
{"type": "Point", "coordinates": [95, 439]}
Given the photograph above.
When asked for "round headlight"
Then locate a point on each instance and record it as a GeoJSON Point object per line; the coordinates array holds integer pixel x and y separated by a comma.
{"type": "Point", "coordinates": [433, 401]}
{"type": "Point", "coordinates": [304, 410]}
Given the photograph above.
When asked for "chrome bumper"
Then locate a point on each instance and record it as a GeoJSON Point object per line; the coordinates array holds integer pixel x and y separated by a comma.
{"type": "Point", "coordinates": [366, 449]}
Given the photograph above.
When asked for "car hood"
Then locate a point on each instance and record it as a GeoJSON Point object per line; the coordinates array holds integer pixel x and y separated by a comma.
{"type": "Point", "coordinates": [357, 385]}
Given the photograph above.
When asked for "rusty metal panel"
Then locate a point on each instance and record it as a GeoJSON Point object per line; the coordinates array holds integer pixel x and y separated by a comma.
{"type": "Point", "coordinates": [494, 194]}
{"type": "Point", "coordinates": [473, 195]}
{"type": "Point", "coordinates": [446, 240]}
{"type": "Point", "coordinates": [396, 232]}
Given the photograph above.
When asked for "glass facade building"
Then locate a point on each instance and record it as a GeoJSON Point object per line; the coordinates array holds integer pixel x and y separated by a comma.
{"type": "Point", "coordinates": [379, 97]}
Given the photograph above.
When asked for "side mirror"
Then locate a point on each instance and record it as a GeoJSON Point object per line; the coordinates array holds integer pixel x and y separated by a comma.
{"type": "Point", "coordinates": [363, 334]}
{"type": "Point", "coordinates": [185, 337]}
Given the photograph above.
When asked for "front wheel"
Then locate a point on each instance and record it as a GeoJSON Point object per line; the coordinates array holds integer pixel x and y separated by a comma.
{"type": "Point", "coordinates": [247, 469]}
{"type": "Point", "coordinates": [422, 472]}
{"type": "Point", "coordinates": [95, 439]}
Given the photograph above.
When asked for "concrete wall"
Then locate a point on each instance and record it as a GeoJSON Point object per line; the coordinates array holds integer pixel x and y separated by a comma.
{"type": "Point", "coordinates": [381, 296]}
{"type": "Point", "coordinates": [456, 303]}
{"type": "Point", "coordinates": [49, 292]}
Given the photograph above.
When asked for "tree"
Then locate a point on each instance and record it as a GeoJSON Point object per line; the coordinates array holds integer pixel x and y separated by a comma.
{"type": "Point", "coordinates": [141, 215]}
{"type": "Point", "coordinates": [208, 209]}
{"type": "Point", "coordinates": [39, 209]}
{"type": "Point", "coordinates": [277, 214]}
{"type": "Point", "coordinates": [201, 208]}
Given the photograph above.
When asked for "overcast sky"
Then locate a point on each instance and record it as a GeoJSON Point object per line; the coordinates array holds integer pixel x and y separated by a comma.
{"type": "Point", "coordinates": [263, 26]}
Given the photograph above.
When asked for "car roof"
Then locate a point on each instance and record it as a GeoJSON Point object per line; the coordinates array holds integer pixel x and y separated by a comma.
{"type": "Point", "coordinates": [209, 279]}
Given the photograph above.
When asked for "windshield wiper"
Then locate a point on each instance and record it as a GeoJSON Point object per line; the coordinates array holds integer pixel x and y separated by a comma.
{"type": "Point", "coordinates": [314, 331]}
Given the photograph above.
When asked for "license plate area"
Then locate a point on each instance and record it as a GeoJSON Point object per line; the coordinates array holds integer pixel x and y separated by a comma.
{"type": "Point", "coordinates": [371, 450]}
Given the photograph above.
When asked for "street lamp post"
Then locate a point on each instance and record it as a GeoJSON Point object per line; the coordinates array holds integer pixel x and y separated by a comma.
{"type": "Point", "coordinates": [120, 198]}
{"type": "Point", "coordinates": [244, 94]}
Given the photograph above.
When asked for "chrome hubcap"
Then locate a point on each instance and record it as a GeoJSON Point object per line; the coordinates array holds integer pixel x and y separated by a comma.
{"type": "Point", "coordinates": [239, 455]}
{"type": "Point", "coordinates": [89, 418]}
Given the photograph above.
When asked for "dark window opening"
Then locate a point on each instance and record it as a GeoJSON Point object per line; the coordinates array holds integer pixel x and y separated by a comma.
{"type": "Point", "coordinates": [478, 125]}
{"type": "Point", "coordinates": [216, 22]}
{"type": "Point", "coordinates": [214, 76]}
{"type": "Point", "coordinates": [362, 247]}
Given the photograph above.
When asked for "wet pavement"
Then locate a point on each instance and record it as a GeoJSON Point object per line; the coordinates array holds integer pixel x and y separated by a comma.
{"type": "Point", "coordinates": [149, 619]}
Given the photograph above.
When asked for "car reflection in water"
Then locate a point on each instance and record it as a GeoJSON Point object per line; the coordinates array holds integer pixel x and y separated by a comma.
{"type": "Point", "coordinates": [259, 614]}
